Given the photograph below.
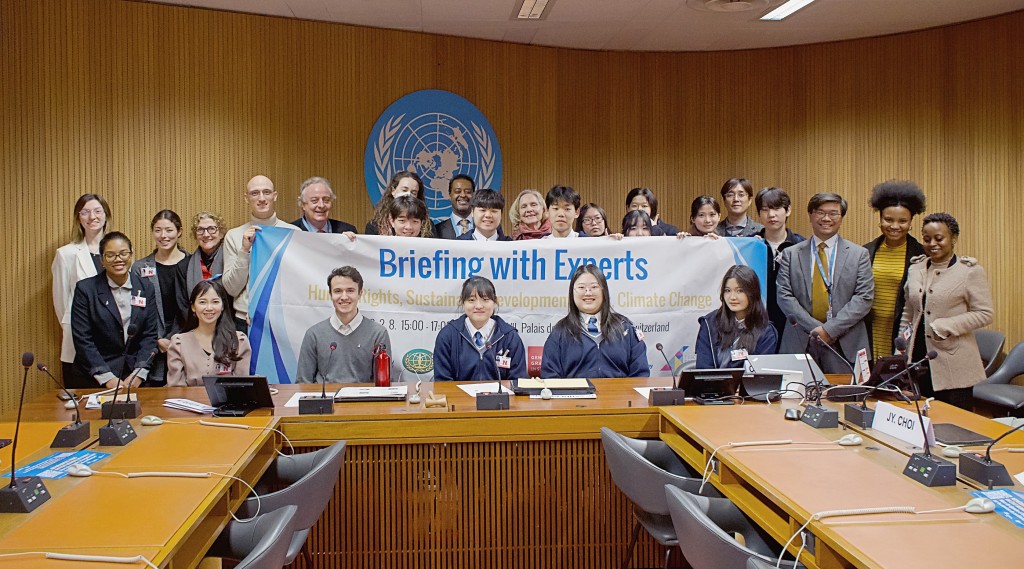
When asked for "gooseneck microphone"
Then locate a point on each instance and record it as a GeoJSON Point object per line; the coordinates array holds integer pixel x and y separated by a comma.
{"type": "Point", "coordinates": [322, 405]}
{"type": "Point", "coordinates": [25, 494]}
{"type": "Point", "coordinates": [131, 409]}
{"type": "Point", "coordinates": [75, 433]}
{"type": "Point", "coordinates": [113, 408]}
{"type": "Point", "coordinates": [661, 396]}
{"type": "Point", "coordinates": [860, 414]}
{"type": "Point", "coordinates": [984, 469]}
{"type": "Point", "coordinates": [925, 467]}
{"type": "Point", "coordinates": [117, 433]}
{"type": "Point", "coordinates": [815, 414]}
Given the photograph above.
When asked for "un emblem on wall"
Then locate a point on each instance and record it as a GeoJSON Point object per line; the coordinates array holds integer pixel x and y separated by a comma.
{"type": "Point", "coordinates": [436, 134]}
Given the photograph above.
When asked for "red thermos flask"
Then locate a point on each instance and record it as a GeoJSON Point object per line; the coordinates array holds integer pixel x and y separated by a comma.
{"type": "Point", "coordinates": [381, 366]}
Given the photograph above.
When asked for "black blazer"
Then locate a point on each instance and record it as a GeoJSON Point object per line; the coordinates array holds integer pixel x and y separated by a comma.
{"type": "Point", "coordinates": [99, 335]}
{"type": "Point", "coordinates": [914, 249]}
{"type": "Point", "coordinates": [444, 229]}
{"type": "Point", "coordinates": [336, 226]}
{"type": "Point", "coordinates": [469, 237]}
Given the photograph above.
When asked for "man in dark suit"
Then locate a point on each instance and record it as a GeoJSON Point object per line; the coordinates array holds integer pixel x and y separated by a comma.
{"type": "Point", "coordinates": [315, 199]}
{"type": "Point", "coordinates": [460, 222]}
{"type": "Point", "coordinates": [826, 285]}
{"type": "Point", "coordinates": [114, 319]}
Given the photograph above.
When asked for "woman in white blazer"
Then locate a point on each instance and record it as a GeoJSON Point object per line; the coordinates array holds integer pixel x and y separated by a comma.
{"type": "Point", "coordinates": [75, 261]}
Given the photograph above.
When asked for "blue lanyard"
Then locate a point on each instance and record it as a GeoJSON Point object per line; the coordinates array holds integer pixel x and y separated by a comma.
{"type": "Point", "coordinates": [831, 269]}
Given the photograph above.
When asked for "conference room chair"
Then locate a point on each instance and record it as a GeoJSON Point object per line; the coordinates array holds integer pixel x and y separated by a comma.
{"type": "Point", "coordinates": [261, 543]}
{"type": "Point", "coordinates": [705, 528]}
{"type": "Point", "coordinates": [641, 469]}
{"type": "Point", "coordinates": [997, 392]}
{"type": "Point", "coordinates": [756, 562]}
{"type": "Point", "coordinates": [309, 480]}
{"type": "Point", "coordinates": [990, 345]}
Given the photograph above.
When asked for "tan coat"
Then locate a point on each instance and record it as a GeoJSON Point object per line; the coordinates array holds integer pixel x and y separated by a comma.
{"type": "Point", "coordinates": [188, 362]}
{"type": "Point", "coordinates": [958, 302]}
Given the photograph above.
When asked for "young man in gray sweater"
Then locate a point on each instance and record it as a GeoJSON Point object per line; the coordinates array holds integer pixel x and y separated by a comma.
{"type": "Point", "coordinates": [353, 336]}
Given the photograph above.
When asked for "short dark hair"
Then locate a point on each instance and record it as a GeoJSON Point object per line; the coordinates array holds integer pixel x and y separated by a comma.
{"type": "Point", "coordinates": [487, 199]}
{"type": "Point", "coordinates": [480, 286]}
{"type": "Point", "coordinates": [822, 198]}
{"type": "Point", "coordinates": [944, 218]}
{"type": "Point", "coordinates": [701, 201]}
{"type": "Point", "coordinates": [733, 182]}
{"type": "Point", "coordinates": [346, 271]}
{"type": "Point", "coordinates": [772, 198]}
{"type": "Point", "coordinates": [648, 195]}
{"type": "Point", "coordinates": [562, 194]}
{"type": "Point", "coordinates": [111, 237]}
{"type": "Point", "coordinates": [472, 184]}
{"type": "Point", "coordinates": [631, 217]}
{"type": "Point", "coordinates": [583, 213]}
{"type": "Point", "coordinates": [169, 215]}
{"type": "Point", "coordinates": [903, 193]}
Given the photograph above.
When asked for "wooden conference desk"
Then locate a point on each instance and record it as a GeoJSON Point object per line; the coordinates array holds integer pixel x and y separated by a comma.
{"type": "Point", "coordinates": [455, 487]}
{"type": "Point", "coordinates": [780, 487]}
{"type": "Point", "coordinates": [171, 521]}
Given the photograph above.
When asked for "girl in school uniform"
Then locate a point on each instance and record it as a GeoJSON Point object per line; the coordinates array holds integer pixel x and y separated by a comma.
{"type": "Point", "coordinates": [593, 341]}
{"type": "Point", "coordinates": [740, 327]}
{"type": "Point", "coordinates": [478, 345]}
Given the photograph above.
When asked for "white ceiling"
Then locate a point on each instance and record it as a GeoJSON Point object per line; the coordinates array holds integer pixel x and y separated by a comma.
{"type": "Point", "coordinates": [629, 25]}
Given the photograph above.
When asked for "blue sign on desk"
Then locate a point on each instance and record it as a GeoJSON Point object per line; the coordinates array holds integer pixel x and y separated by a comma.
{"type": "Point", "coordinates": [1009, 504]}
{"type": "Point", "coordinates": [56, 465]}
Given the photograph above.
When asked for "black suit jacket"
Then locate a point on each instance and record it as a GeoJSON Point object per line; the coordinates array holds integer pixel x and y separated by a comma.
{"type": "Point", "coordinates": [469, 237]}
{"type": "Point", "coordinates": [98, 333]}
{"type": "Point", "coordinates": [444, 229]}
{"type": "Point", "coordinates": [336, 226]}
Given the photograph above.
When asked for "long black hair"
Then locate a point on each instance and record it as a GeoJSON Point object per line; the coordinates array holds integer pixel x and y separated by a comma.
{"type": "Point", "coordinates": [613, 324]}
{"type": "Point", "coordinates": [756, 319]}
{"type": "Point", "coordinates": [225, 336]}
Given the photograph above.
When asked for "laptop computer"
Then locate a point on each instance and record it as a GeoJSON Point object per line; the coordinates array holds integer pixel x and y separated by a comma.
{"type": "Point", "coordinates": [792, 367]}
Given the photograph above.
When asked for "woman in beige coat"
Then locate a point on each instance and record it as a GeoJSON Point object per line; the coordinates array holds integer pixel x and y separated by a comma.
{"type": "Point", "coordinates": [210, 345]}
{"type": "Point", "coordinates": [948, 298]}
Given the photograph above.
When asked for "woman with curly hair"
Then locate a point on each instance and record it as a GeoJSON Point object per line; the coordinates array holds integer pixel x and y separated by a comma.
{"type": "Point", "coordinates": [897, 202]}
{"type": "Point", "coordinates": [405, 182]}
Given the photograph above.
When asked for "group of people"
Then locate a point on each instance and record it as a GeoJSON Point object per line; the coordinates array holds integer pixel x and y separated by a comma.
{"type": "Point", "coordinates": [172, 317]}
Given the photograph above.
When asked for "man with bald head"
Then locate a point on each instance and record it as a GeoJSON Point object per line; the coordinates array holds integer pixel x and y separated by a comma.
{"type": "Point", "coordinates": [315, 199]}
{"type": "Point", "coordinates": [261, 197]}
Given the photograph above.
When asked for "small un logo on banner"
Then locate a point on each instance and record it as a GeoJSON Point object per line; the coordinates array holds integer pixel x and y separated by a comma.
{"type": "Point", "coordinates": [436, 134]}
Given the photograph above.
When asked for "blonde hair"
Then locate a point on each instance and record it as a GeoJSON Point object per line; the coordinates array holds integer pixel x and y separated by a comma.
{"type": "Point", "coordinates": [222, 226]}
{"type": "Point", "coordinates": [513, 210]}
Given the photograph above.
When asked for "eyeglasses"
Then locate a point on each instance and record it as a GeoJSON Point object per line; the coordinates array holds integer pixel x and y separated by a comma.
{"type": "Point", "coordinates": [733, 195]}
{"type": "Point", "coordinates": [592, 220]}
{"type": "Point", "coordinates": [212, 230]}
{"type": "Point", "coordinates": [123, 255]}
{"type": "Point", "coordinates": [580, 289]}
{"type": "Point", "coordinates": [257, 193]}
{"type": "Point", "coordinates": [85, 213]}
{"type": "Point", "coordinates": [829, 214]}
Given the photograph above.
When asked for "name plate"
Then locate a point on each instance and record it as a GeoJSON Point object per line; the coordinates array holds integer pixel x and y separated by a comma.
{"type": "Point", "coordinates": [901, 423]}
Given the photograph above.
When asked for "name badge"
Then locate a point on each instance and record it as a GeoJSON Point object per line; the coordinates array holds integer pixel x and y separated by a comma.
{"type": "Point", "coordinates": [149, 271]}
{"type": "Point", "coordinates": [739, 355]}
{"type": "Point", "coordinates": [221, 369]}
{"type": "Point", "coordinates": [139, 301]}
{"type": "Point", "coordinates": [504, 362]}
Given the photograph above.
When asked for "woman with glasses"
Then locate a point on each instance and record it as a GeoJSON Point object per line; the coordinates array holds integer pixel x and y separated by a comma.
{"type": "Point", "coordinates": [592, 222]}
{"type": "Point", "coordinates": [73, 262]}
{"type": "Point", "coordinates": [643, 199]}
{"type": "Point", "coordinates": [113, 321]}
{"type": "Point", "coordinates": [207, 261]}
{"type": "Point", "coordinates": [593, 341]}
{"type": "Point", "coordinates": [208, 343]}
{"type": "Point", "coordinates": [165, 269]}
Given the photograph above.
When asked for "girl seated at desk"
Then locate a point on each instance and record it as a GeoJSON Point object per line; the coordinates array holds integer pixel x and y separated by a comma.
{"type": "Point", "coordinates": [740, 327]}
{"type": "Point", "coordinates": [478, 345]}
{"type": "Point", "coordinates": [209, 345]}
{"type": "Point", "coordinates": [593, 340]}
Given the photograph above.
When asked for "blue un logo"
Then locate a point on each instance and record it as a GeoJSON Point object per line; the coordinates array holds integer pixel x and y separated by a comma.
{"type": "Point", "coordinates": [436, 134]}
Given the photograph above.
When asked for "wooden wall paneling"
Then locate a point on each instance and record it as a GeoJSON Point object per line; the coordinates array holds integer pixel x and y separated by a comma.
{"type": "Point", "coordinates": [157, 106]}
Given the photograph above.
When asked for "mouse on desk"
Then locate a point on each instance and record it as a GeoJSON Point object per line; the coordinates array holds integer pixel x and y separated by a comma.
{"type": "Point", "coordinates": [793, 414]}
{"type": "Point", "coordinates": [980, 506]}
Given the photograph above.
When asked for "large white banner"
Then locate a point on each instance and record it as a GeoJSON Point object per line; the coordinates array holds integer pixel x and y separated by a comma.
{"type": "Point", "coordinates": [412, 287]}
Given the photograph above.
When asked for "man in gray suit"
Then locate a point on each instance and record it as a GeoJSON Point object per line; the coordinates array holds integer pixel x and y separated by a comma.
{"type": "Point", "coordinates": [826, 286]}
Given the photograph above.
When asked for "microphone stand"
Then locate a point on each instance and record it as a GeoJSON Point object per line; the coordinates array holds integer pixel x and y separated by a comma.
{"type": "Point", "coordinates": [860, 414]}
{"type": "Point", "coordinates": [116, 434]}
{"type": "Point", "coordinates": [493, 401]}
{"type": "Point", "coordinates": [75, 433]}
{"type": "Point", "coordinates": [925, 467]}
{"type": "Point", "coordinates": [323, 405]}
{"type": "Point", "coordinates": [816, 414]}
{"type": "Point", "coordinates": [126, 409]}
{"type": "Point", "coordinates": [664, 396]}
{"type": "Point", "coordinates": [983, 468]}
{"type": "Point", "coordinates": [24, 494]}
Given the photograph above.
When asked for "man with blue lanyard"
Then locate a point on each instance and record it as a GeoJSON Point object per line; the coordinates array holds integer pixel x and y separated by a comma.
{"type": "Point", "coordinates": [825, 287]}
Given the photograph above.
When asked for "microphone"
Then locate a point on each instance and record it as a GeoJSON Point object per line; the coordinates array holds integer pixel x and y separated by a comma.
{"type": "Point", "coordinates": [815, 414]}
{"type": "Point", "coordinates": [661, 396]}
{"type": "Point", "coordinates": [121, 432]}
{"type": "Point", "coordinates": [131, 409]}
{"type": "Point", "coordinates": [322, 405]}
{"type": "Point", "coordinates": [817, 338]}
{"type": "Point", "coordinates": [107, 409]}
{"type": "Point", "coordinates": [77, 432]}
{"type": "Point", "coordinates": [925, 467]}
{"type": "Point", "coordinates": [984, 469]}
{"type": "Point", "coordinates": [863, 416]}
{"type": "Point", "coordinates": [25, 494]}
{"type": "Point", "coordinates": [493, 401]}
